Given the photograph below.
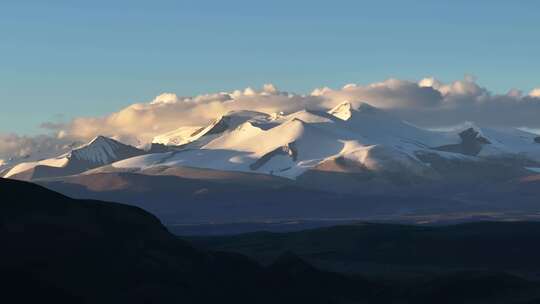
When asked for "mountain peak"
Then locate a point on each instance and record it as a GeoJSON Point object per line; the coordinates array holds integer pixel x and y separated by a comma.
{"type": "Point", "coordinates": [100, 139]}
{"type": "Point", "coordinates": [103, 150]}
{"type": "Point", "coordinates": [342, 111]}
{"type": "Point", "coordinates": [227, 122]}
{"type": "Point", "coordinates": [345, 110]}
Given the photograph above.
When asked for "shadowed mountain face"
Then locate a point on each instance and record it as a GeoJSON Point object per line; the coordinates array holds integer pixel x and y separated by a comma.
{"type": "Point", "coordinates": [192, 195]}
{"type": "Point", "coordinates": [233, 197]}
{"type": "Point", "coordinates": [471, 143]}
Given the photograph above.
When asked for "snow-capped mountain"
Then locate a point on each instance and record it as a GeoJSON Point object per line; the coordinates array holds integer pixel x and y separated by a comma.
{"type": "Point", "coordinates": [345, 139]}
{"type": "Point", "coordinates": [176, 137]}
{"type": "Point", "coordinates": [309, 146]}
{"type": "Point", "coordinates": [98, 152]}
{"type": "Point", "coordinates": [204, 134]}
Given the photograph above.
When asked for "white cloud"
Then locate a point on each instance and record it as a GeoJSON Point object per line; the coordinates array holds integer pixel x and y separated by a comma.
{"type": "Point", "coordinates": [535, 93]}
{"type": "Point", "coordinates": [165, 98]}
{"type": "Point", "coordinates": [428, 102]}
{"type": "Point", "coordinates": [515, 93]}
{"type": "Point", "coordinates": [15, 147]}
{"type": "Point", "coordinates": [140, 122]}
{"type": "Point", "coordinates": [389, 94]}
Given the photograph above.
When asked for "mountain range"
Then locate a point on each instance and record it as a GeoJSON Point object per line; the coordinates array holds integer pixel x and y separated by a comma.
{"type": "Point", "coordinates": [352, 161]}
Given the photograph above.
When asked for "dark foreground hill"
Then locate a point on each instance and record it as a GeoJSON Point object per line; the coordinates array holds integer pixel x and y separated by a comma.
{"type": "Point", "coordinates": [68, 251]}
{"type": "Point", "coordinates": [59, 250]}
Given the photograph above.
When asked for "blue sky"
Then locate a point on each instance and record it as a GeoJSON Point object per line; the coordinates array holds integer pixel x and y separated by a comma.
{"type": "Point", "coordinates": [63, 59]}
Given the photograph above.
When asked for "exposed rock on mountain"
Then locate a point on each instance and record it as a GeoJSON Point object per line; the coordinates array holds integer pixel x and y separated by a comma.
{"type": "Point", "coordinates": [289, 151]}
{"type": "Point", "coordinates": [471, 143]}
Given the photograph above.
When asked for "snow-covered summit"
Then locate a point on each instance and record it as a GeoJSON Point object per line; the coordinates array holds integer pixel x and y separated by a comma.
{"type": "Point", "coordinates": [176, 137]}
{"type": "Point", "coordinates": [346, 110]}
{"type": "Point", "coordinates": [203, 134]}
{"type": "Point", "coordinates": [98, 152]}
{"type": "Point", "coordinates": [342, 111]}
{"type": "Point", "coordinates": [103, 150]}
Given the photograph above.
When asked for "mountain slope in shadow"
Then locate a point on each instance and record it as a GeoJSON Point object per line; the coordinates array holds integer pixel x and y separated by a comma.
{"type": "Point", "coordinates": [177, 199]}
{"type": "Point", "coordinates": [72, 251]}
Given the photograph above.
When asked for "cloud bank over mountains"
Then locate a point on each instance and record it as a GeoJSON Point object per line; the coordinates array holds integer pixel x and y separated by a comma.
{"type": "Point", "coordinates": [427, 103]}
{"type": "Point", "coordinates": [13, 146]}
